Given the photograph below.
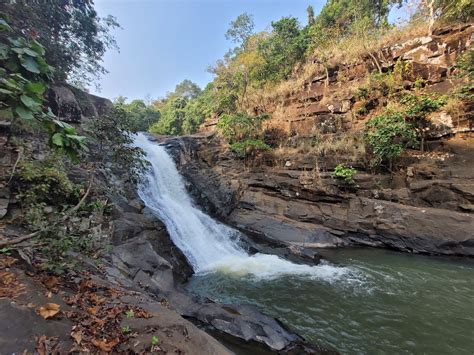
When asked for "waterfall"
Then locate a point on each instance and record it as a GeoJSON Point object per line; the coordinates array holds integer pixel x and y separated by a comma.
{"type": "Point", "coordinates": [209, 246]}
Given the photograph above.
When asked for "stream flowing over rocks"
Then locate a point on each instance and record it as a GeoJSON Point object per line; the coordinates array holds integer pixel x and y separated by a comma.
{"type": "Point", "coordinates": [278, 206]}
{"type": "Point", "coordinates": [146, 258]}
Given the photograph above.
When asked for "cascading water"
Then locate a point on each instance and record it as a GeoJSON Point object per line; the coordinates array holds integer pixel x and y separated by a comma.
{"type": "Point", "coordinates": [401, 303]}
{"type": "Point", "coordinates": [207, 244]}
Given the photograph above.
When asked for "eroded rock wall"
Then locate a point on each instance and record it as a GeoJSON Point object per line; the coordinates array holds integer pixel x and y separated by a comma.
{"type": "Point", "coordinates": [420, 212]}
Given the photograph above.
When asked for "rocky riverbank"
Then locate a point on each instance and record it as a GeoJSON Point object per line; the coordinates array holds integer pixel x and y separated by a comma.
{"type": "Point", "coordinates": [132, 291]}
{"type": "Point", "coordinates": [425, 209]}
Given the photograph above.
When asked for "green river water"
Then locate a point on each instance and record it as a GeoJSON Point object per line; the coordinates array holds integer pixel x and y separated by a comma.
{"type": "Point", "coordinates": [383, 302]}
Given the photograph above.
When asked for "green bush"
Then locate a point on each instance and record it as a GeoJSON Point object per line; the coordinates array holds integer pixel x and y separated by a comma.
{"type": "Point", "coordinates": [249, 147]}
{"type": "Point", "coordinates": [343, 172]}
{"type": "Point", "coordinates": [45, 182]}
{"type": "Point", "coordinates": [240, 126]}
{"type": "Point", "coordinates": [387, 136]}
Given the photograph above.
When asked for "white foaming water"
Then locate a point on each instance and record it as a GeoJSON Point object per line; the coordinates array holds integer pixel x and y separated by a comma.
{"type": "Point", "coordinates": [208, 245]}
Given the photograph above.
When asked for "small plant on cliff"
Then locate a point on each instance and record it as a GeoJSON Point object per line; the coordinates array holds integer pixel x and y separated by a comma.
{"type": "Point", "coordinates": [387, 136]}
{"type": "Point", "coordinates": [240, 126]}
{"type": "Point", "coordinates": [345, 173]}
{"type": "Point", "coordinates": [249, 148]}
{"type": "Point", "coordinates": [418, 107]}
{"type": "Point", "coordinates": [244, 133]}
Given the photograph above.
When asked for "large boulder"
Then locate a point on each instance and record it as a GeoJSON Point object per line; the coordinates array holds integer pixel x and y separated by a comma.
{"type": "Point", "coordinates": [72, 105]}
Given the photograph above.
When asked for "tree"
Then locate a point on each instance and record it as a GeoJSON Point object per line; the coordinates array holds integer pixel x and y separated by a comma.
{"type": "Point", "coordinates": [240, 29]}
{"type": "Point", "coordinates": [74, 36]}
{"type": "Point", "coordinates": [186, 89]}
{"type": "Point", "coordinates": [172, 117]}
{"type": "Point", "coordinates": [112, 135]}
{"type": "Point", "coordinates": [387, 136]}
{"type": "Point", "coordinates": [342, 14]}
{"type": "Point", "coordinates": [284, 48]}
{"type": "Point", "coordinates": [450, 10]}
{"type": "Point", "coordinates": [310, 12]}
{"type": "Point", "coordinates": [140, 115]}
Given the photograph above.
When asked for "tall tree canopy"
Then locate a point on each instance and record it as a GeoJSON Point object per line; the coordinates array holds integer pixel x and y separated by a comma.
{"type": "Point", "coordinates": [342, 14]}
{"type": "Point", "coordinates": [74, 36]}
{"type": "Point", "coordinates": [240, 29]}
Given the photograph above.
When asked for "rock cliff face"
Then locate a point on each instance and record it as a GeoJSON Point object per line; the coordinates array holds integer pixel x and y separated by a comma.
{"type": "Point", "coordinates": [425, 207]}
{"type": "Point", "coordinates": [325, 103]}
{"type": "Point", "coordinates": [429, 210]}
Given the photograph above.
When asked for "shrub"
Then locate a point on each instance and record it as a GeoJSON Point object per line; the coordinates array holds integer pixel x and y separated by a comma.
{"type": "Point", "coordinates": [240, 126]}
{"type": "Point", "coordinates": [418, 107]}
{"type": "Point", "coordinates": [346, 173]}
{"type": "Point", "coordinates": [45, 182]}
{"type": "Point", "coordinates": [387, 136]}
{"type": "Point", "coordinates": [249, 147]}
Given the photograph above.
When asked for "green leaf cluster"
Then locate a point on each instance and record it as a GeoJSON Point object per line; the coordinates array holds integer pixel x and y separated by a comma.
{"type": "Point", "coordinates": [24, 77]}
{"type": "Point", "coordinates": [140, 115]}
{"type": "Point", "coordinates": [345, 173]}
{"type": "Point", "coordinates": [74, 36]}
{"type": "Point", "coordinates": [184, 109]}
{"type": "Point", "coordinates": [388, 135]}
{"type": "Point", "coordinates": [240, 126]}
{"type": "Point", "coordinates": [249, 147]}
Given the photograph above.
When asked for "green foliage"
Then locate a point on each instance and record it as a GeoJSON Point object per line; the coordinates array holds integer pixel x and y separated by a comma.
{"type": "Point", "coordinates": [46, 196]}
{"type": "Point", "coordinates": [140, 115]}
{"type": "Point", "coordinates": [74, 36]}
{"type": "Point", "coordinates": [244, 133]}
{"type": "Point", "coordinates": [249, 147]}
{"type": "Point", "coordinates": [240, 126]}
{"type": "Point", "coordinates": [455, 10]}
{"type": "Point", "coordinates": [344, 14]}
{"type": "Point", "coordinates": [346, 173]}
{"type": "Point", "coordinates": [184, 109]}
{"type": "Point", "coordinates": [6, 251]}
{"type": "Point", "coordinates": [112, 136]}
{"type": "Point", "coordinates": [240, 29]}
{"type": "Point", "coordinates": [45, 182]}
{"type": "Point", "coordinates": [419, 106]}
{"type": "Point", "coordinates": [126, 329]}
{"type": "Point", "coordinates": [284, 48]}
{"type": "Point", "coordinates": [172, 117]}
{"type": "Point", "coordinates": [465, 92]}
{"type": "Point", "coordinates": [24, 78]}
{"type": "Point", "coordinates": [154, 340]}
{"type": "Point", "coordinates": [387, 136]}
{"type": "Point", "coordinates": [186, 89]}
{"type": "Point", "coordinates": [465, 64]}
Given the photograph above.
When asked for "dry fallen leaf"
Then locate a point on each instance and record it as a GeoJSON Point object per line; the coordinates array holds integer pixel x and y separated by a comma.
{"type": "Point", "coordinates": [49, 310]}
{"type": "Point", "coordinates": [92, 310]}
{"type": "Point", "coordinates": [77, 336]}
{"type": "Point", "coordinates": [9, 285]}
{"type": "Point", "coordinates": [6, 262]}
{"type": "Point", "coordinates": [45, 345]}
{"type": "Point", "coordinates": [105, 345]}
{"type": "Point", "coordinates": [95, 299]}
{"type": "Point", "coordinates": [50, 282]}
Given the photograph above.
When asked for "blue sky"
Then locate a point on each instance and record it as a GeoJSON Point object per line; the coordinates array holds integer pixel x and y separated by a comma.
{"type": "Point", "coordinates": [166, 41]}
